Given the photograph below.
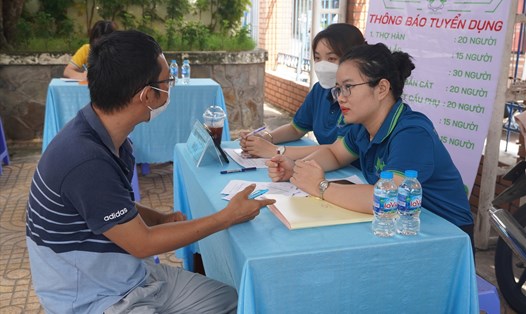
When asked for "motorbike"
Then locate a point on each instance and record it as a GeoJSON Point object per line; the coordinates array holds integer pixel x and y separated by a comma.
{"type": "Point", "coordinates": [510, 253]}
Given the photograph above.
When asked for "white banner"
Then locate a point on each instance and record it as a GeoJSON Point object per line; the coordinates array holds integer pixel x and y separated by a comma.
{"type": "Point", "coordinates": [457, 49]}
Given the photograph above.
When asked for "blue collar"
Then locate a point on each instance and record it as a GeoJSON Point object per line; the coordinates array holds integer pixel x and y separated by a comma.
{"type": "Point", "coordinates": [97, 126]}
{"type": "Point", "coordinates": [390, 121]}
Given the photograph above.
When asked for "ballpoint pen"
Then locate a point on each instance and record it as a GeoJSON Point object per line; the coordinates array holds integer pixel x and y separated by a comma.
{"type": "Point", "coordinates": [237, 170]}
{"type": "Point", "coordinates": [256, 131]}
{"type": "Point", "coordinates": [257, 193]}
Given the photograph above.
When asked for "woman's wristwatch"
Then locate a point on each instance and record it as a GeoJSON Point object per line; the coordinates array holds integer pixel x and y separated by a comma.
{"type": "Point", "coordinates": [323, 186]}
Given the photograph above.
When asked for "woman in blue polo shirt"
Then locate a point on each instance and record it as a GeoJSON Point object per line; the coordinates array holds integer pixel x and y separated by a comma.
{"type": "Point", "coordinates": [319, 112]}
{"type": "Point", "coordinates": [385, 135]}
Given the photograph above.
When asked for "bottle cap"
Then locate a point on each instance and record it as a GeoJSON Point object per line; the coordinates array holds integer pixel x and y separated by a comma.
{"type": "Point", "coordinates": [174, 61]}
{"type": "Point", "coordinates": [411, 173]}
{"type": "Point", "coordinates": [386, 175]}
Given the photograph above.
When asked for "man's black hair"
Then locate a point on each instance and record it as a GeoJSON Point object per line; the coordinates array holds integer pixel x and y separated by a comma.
{"type": "Point", "coordinates": [120, 65]}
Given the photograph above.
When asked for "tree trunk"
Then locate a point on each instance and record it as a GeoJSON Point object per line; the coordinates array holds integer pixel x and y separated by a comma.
{"type": "Point", "coordinates": [11, 11]}
{"type": "Point", "coordinates": [90, 13]}
{"type": "Point", "coordinates": [3, 42]}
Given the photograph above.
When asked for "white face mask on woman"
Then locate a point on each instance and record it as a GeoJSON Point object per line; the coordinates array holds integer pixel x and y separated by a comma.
{"type": "Point", "coordinates": [157, 111]}
{"type": "Point", "coordinates": [326, 73]}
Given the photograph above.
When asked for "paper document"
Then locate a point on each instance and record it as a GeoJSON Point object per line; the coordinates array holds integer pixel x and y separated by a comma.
{"type": "Point", "coordinates": [237, 155]}
{"type": "Point", "coordinates": [279, 188]}
{"type": "Point", "coordinates": [309, 212]}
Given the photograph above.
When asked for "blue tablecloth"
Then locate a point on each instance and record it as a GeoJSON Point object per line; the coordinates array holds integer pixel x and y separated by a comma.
{"type": "Point", "coordinates": [336, 269]}
{"type": "Point", "coordinates": [153, 141]}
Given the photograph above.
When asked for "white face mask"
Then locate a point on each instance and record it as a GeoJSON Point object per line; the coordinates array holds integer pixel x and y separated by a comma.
{"type": "Point", "coordinates": [157, 111]}
{"type": "Point", "coordinates": [326, 73]}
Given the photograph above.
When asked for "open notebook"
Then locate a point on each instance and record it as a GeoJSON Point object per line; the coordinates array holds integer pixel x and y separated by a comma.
{"type": "Point", "coordinates": [309, 212]}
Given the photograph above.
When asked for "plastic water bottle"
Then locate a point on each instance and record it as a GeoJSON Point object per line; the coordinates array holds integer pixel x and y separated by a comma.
{"type": "Point", "coordinates": [385, 205]}
{"type": "Point", "coordinates": [174, 72]}
{"type": "Point", "coordinates": [185, 71]}
{"type": "Point", "coordinates": [409, 204]}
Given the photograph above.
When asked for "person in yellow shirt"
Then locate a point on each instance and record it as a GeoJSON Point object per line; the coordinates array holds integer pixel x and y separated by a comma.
{"type": "Point", "coordinates": [77, 67]}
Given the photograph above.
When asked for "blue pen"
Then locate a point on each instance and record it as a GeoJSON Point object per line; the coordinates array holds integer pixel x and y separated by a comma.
{"type": "Point", "coordinates": [237, 170]}
{"type": "Point", "coordinates": [256, 131]}
{"type": "Point", "coordinates": [257, 193]}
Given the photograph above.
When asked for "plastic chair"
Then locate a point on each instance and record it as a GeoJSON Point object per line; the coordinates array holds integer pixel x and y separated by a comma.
{"type": "Point", "coordinates": [135, 185]}
{"type": "Point", "coordinates": [489, 301]}
{"type": "Point", "coordinates": [4, 154]}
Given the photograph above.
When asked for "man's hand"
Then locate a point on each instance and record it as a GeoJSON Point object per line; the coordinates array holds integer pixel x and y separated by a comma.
{"type": "Point", "coordinates": [280, 168]}
{"type": "Point", "coordinates": [257, 146]}
{"type": "Point", "coordinates": [241, 209]}
{"type": "Point", "coordinates": [142, 240]}
{"type": "Point", "coordinates": [307, 176]}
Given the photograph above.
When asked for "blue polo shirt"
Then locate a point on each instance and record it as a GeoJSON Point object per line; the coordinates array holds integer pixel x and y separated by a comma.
{"type": "Point", "coordinates": [321, 114]}
{"type": "Point", "coordinates": [407, 140]}
{"type": "Point", "coordinates": [80, 189]}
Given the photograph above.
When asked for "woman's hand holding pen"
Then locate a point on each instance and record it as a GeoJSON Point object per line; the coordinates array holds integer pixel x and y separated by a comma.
{"type": "Point", "coordinates": [77, 75]}
{"type": "Point", "coordinates": [257, 146]}
{"type": "Point", "coordinates": [307, 175]}
{"type": "Point", "coordinates": [280, 168]}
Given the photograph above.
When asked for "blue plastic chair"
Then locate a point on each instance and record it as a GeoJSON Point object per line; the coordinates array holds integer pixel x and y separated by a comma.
{"type": "Point", "coordinates": [489, 301]}
{"type": "Point", "coordinates": [4, 154]}
{"type": "Point", "coordinates": [135, 185]}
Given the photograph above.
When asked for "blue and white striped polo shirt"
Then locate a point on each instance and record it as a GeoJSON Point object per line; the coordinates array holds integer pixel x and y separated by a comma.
{"type": "Point", "coordinates": [80, 189]}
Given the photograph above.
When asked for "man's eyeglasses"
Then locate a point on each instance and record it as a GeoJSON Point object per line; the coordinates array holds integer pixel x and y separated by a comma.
{"type": "Point", "coordinates": [157, 82]}
{"type": "Point", "coordinates": [345, 90]}
{"type": "Point", "coordinates": [163, 81]}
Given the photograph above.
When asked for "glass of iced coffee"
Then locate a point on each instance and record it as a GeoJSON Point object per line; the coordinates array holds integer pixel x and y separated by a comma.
{"type": "Point", "coordinates": [214, 119]}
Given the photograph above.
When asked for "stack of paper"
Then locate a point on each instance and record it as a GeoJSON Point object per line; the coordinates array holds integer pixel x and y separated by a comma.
{"type": "Point", "coordinates": [308, 212]}
{"type": "Point", "coordinates": [245, 161]}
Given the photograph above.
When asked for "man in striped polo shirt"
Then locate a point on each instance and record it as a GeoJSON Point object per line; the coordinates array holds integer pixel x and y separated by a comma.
{"type": "Point", "coordinates": [90, 244]}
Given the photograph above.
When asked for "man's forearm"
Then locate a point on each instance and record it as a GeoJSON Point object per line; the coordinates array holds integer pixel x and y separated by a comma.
{"type": "Point", "coordinates": [149, 215]}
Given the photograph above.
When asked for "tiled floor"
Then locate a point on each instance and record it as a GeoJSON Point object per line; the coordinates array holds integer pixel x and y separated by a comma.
{"type": "Point", "coordinates": [16, 293]}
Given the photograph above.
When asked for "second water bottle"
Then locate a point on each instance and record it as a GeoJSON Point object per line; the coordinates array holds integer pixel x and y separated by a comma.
{"type": "Point", "coordinates": [185, 71]}
{"type": "Point", "coordinates": [409, 204]}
